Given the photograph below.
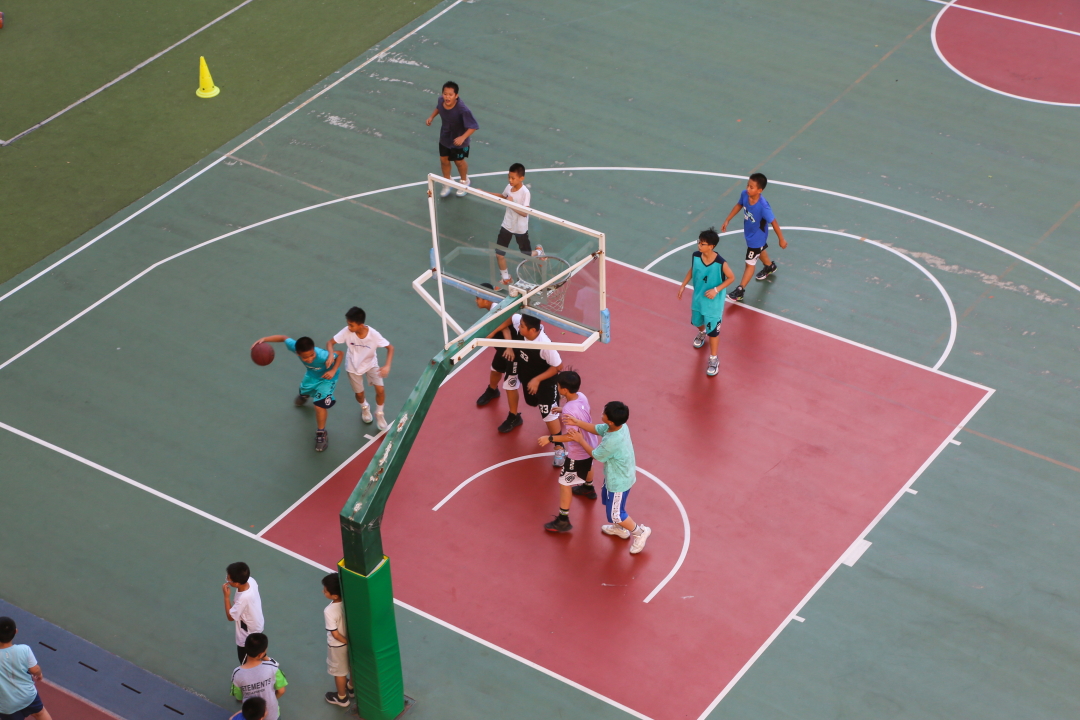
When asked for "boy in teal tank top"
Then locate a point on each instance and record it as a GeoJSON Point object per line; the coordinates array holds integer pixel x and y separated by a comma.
{"type": "Point", "coordinates": [711, 276]}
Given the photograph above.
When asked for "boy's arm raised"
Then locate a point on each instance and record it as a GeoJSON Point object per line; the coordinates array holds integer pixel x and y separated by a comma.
{"type": "Point", "coordinates": [737, 208]}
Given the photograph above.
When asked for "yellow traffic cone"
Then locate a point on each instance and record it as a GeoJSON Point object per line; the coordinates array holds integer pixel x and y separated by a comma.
{"type": "Point", "coordinates": [207, 88]}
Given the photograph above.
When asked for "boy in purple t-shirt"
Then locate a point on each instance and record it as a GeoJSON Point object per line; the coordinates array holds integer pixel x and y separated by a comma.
{"type": "Point", "coordinates": [458, 124]}
{"type": "Point", "coordinates": [576, 475]}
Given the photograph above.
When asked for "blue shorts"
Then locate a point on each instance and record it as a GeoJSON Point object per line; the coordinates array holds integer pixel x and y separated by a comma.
{"type": "Point", "coordinates": [615, 504]}
{"type": "Point", "coordinates": [32, 708]}
{"type": "Point", "coordinates": [711, 323]}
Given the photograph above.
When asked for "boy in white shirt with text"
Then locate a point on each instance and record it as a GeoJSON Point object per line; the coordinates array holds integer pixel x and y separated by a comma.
{"type": "Point", "coordinates": [362, 361]}
{"type": "Point", "coordinates": [515, 223]}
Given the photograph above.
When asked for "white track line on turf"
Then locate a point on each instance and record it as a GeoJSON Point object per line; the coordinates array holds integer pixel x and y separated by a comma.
{"type": "Point", "coordinates": [141, 65]}
{"type": "Point", "coordinates": [951, 4]}
{"type": "Point", "coordinates": [272, 125]}
{"type": "Point", "coordinates": [308, 561]}
{"type": "Point", "coordinates": [305, 496]}
{"type": "Point", "coordinates": [819, 331]}
{"type": "Point", "coordinates": [522, 660]}
{"type": "Point", "coordinates": [646, 473]}
{"type": "Point", "coordinates": [862, 536]}
{"type": "Point", "coordinates": [894, 251]}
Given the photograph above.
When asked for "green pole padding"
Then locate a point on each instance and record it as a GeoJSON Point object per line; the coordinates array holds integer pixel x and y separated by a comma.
{"type": "Point", "coordinates": [374, 655]}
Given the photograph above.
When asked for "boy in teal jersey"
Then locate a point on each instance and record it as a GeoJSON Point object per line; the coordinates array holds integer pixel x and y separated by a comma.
{"type": "Point", "coordinates": [711, 276]}
{"type": "Point", "coordinates": [319, 380]}
{"type": "Point", "coordinates": [616, 452]}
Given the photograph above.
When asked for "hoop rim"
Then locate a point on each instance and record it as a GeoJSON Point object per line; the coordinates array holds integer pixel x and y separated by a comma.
{"type": "Point", "coordinates": [533, 259]}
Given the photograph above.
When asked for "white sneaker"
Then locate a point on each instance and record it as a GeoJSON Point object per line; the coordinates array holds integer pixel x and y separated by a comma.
{"type": "Point", "coordinates": [445, 192]}
{"type": "Point", "coordinates": [638, 543]}
{"type": "Point", "coordinates": [462, 193]}
{"type": "Point", "coordinates": [616, 530]}
{"type": "Point", "coordinates": [380, 421]}
{"type": "Point", "coordinates": [365, 413]}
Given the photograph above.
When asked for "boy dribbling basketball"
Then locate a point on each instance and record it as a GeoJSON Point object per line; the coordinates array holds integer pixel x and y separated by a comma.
{"type": "Point", "coordinates": [711, 276]}
{"type": "Point", "coordinates": [319, 380]}
{"type": "Point", "coordinates": [757, 216]}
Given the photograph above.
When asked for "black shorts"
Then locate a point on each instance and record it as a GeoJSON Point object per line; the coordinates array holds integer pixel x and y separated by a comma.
{"type": "Point", "coordinates": [546, 396]}
{"type": "Point", "coordinates": [753, 253]}
{"type": "Point", "coordinates": [504, 241]}
{"type": "Point", "coordinates": [454, 153]}
{"type": "Point", "coordinates": [575, 472]}
{"type": "Point", "coordinates": [326, 403]}
{"type": "Point", "coordinates": [500, 364]}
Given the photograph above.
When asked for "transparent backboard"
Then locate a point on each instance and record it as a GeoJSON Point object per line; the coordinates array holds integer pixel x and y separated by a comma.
{"type": "Point", "coordinates": [467, 245]}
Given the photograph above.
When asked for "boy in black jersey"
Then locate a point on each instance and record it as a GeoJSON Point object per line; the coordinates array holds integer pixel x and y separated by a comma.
{"type": "Point", "coordinates": [502, 363]}
{"type": "Point", "coordinates": [536, 370]}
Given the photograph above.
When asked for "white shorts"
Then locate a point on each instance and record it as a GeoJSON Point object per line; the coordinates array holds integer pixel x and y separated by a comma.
{"type": "Point", "coordinates": [357, 380]}
{"type": "Point", "coordinates": [337, 660]}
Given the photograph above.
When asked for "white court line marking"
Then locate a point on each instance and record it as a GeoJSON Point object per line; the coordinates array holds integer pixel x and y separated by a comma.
{"type": "Point", "coordinates": [913, 492]}
{"type": "Point", "coordinates": [108, 85]}
{"type": "Point", "coordinates": [269, 127]}
{"type": "Point", "coordinates": [819, 331]}
{"type": "Point", "coordinates": [831, 570]}
{"type": "Point", "coordinates": [646, 473]}
{"type": "Point", "coordinates": [796, 618]}
{"type": "Point", "coordinates": [894, 251]}
{"type": "Point", "coordinates": [941, 55]}
{"type": "Point", "coordinates": [955, 442]}
{"type": "Point", "coordinates": [312, 563]}
{"type": "Point", "coordinates": [562, 169]}
{"type": "Point", "coordinates": [1005, 17]}
{"type": "Point", "coordinates": [369, 436]}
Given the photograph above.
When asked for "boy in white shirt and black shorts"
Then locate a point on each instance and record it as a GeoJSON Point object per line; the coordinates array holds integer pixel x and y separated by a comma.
{"type": "Point", "coordinates": [362, 361]}
{"type": "Point", "coordinates": [515, 223]}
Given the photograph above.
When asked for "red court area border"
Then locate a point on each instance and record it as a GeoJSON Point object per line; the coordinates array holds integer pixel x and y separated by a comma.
{"type": "Point", "coordinates": [1028, 50]}
{"type": "Point", "coordinates": [782, 462]}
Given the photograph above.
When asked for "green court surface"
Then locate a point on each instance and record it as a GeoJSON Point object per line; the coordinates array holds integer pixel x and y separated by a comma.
{"type": "Point", "coordinates": [640, 119]}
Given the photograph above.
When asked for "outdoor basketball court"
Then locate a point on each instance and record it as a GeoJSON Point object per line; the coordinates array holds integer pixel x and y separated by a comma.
{"type": "Point", "coordinates": [869, 512]}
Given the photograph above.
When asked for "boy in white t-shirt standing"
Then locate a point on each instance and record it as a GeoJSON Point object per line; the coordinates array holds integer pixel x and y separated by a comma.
{"type": "Point", "coordinates": [246, 608]}
{"type": "Point", "coordinates": [337, 642]}
{"type": "Point", "coordinates": [515, 223]}
{"type": "Point", "coordinates": [362, 361]}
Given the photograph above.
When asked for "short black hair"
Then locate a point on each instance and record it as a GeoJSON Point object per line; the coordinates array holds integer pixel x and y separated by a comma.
{"type": "Point", "coordinates": [452, 85]}
{"type": "Point", "coordinates": [356, 315]}
{"type": "Point", "coordinates": [518, 169]}
{"type": "Point", "coordinates": [304, 344]}
{"type": "Point", "coordinates": [7, 629]}
{"type": "Point", "coordinates": [489, 286]}
{"type": "Point", "coordinates": [256, 644]}
{"type": "Point", "coordinates": [254, 708]}
{"type": "Point", "coordinates": [709, 236]}
{"type": "Point", "coordinates": [533, 323]}
{"type": "Point", "coordinates": [569, 380]}
{"type": "Point", "coordinates": [239, 572]}
{"type": "Point", "coordinates": [617, 412]}
{"type": "Point", "coordinates": [760, 180]}
{"type": "Point", "coordinates": [332, 583]}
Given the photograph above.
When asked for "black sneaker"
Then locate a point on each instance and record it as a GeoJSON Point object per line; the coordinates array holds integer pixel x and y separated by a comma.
{"type": "Point", "coordinates": [322, 440]}
{"type": "Point", "coordinates": [489, 395]}
{"type": "Point", "coordinates": [300, 400]}
{"type": "Point", "coordinates": [333, 699]}
{"type": "Point", "coordinates": [512, 421]}
{"type": "Point", "coordinates": [766, 272]}
{"type": "Point", "coordinates": [587, 490]}
{"type": "Point", "coordinates": [561, 523]}
{"type": "Point", "coordinates": [737, 294]}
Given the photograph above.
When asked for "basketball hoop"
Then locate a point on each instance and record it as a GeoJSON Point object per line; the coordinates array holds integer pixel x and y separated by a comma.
{"type": "Point", "coordinates": [537, 271]}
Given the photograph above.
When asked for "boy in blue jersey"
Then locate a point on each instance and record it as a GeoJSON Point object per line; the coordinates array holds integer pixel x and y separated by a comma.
{"type": "Point", "coordinates": [319, 380]}
{"type": "Point", "coordinates": [616, 452]}
{"type": "Point", "coordinates": [711, 276]}
{"type": "Point", "coordinates": [757, 216]}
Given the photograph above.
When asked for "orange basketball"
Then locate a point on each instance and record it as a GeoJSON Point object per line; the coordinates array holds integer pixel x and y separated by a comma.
{"type": "Point", "coordinates": [262, 354]}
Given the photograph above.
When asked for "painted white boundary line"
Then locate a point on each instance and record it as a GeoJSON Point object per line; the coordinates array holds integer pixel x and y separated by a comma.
{"type": "Point", "coordinates": [109, 84]}
{"type": "Point", "coordinates": [663, 486]}
{"type": "Point", "coordinates": [894, 251]}
{"type": "Point", "coordinates": [819, 331]}
{"type": "Point", "coordinates": [522, 660]}
{"type": "Point", "coordinates": [1005, 17]}
{"type": "Point", "coordinates": [254, 137]}
{"type": "Point", "coordinates": [862, 536]}
{"type": "Point", "coordinates": [941, 55]}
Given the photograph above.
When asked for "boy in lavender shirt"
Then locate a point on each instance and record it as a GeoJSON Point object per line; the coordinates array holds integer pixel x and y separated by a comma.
{"type": "Point", "coordinates": [458, 124]}
{"type": "Point", "coordinates": [577, 467]}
